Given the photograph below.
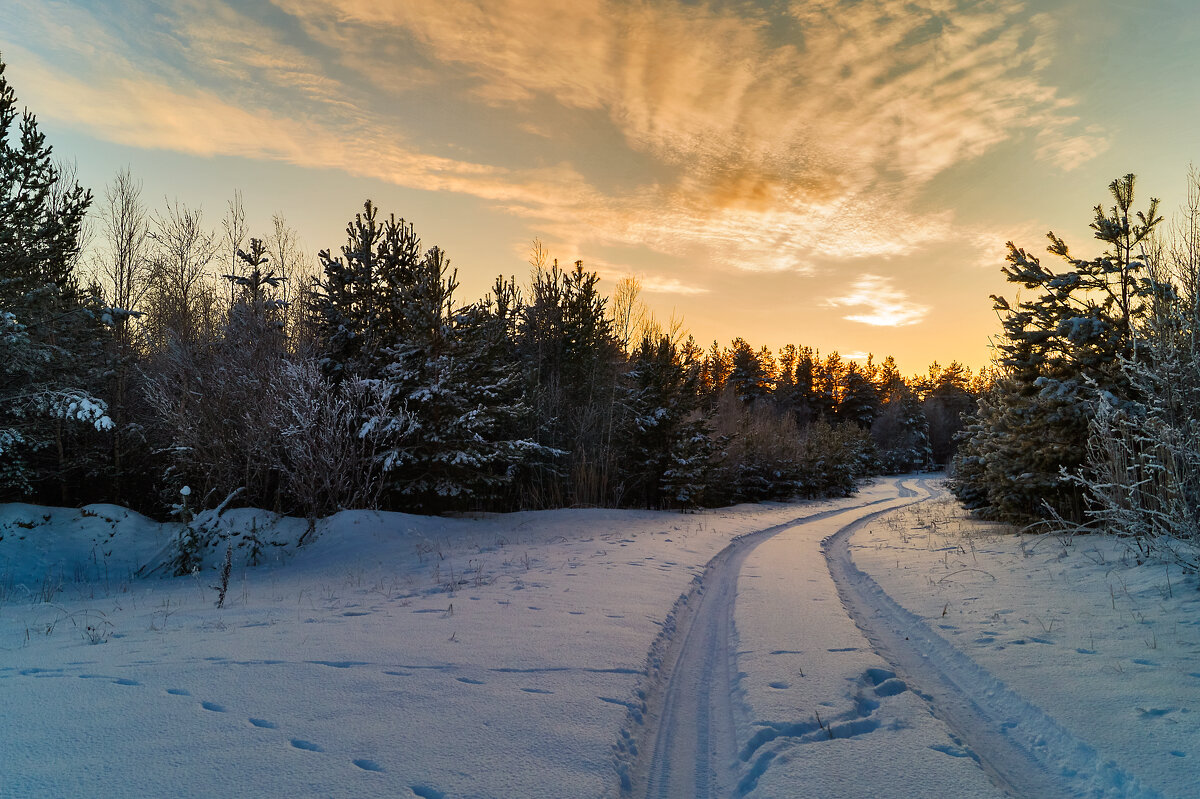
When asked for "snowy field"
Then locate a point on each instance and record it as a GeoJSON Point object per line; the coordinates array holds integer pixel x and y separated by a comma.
{"type": "Point", "coordinates": [394, 655]}
{"type": "Point", "coordinates": [593, 653]}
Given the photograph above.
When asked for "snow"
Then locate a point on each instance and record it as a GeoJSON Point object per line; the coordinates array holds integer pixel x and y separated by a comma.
{"type": "Point", "coordinates": [1106, 648]}
{"type": "Point", "coordinates": [473, 657]}
{"type": "Point", "coordinates": [526, 654]}
{"type": "Point", "coordinates": [822, 706]}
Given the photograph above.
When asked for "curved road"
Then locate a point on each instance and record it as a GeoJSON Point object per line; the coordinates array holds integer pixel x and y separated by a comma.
{"type": "Point", "coordinates": [689, 739]}
{"type": "Point", "coordinates": [690, 748]}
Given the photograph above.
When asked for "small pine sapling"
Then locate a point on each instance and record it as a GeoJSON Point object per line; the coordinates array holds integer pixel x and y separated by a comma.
{"type": "Point", "coordinates": [225, 571]}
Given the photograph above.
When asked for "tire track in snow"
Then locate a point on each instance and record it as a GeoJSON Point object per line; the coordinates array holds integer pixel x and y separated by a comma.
{"type": "Point", "coordinates": [681, 741]}
{"type": "Point", "coordinates": [1025, 751]}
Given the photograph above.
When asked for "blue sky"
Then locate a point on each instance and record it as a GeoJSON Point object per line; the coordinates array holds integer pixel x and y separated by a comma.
{"type": "Point", "coordinates": [833, 173]}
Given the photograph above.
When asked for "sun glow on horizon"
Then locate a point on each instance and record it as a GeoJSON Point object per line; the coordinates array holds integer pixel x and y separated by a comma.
{"type": "Point", "coordinates": [726, 153]}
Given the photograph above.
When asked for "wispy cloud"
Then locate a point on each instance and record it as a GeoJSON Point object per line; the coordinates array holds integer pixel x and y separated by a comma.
{"type": "Point", "coordinates": [882, 304]}
{"type": "Point", "coordinates": [772, 138]}
{"type": "Point", "coordinates": [652, 284]}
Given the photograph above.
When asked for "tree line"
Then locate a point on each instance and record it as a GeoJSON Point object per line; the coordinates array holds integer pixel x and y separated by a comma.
{"type": "Point", "coordinates": [143, 351]}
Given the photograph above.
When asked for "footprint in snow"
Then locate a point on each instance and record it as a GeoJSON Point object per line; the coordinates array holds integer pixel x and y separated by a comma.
{"type": "Point", "coordinates": [307, 746]}
{"type": "Point", "coordinates": [213, 706]}
{"type": "Point", "coordinates": [425, 792]}
{"type": "Point", "coordinates": [779, 684]}
{"type": "Point", "coordinates": [125, 681]}
{"type": "Point", "coordinates": [885, 682]}
{"type": "Point", "coordinates": [263, 724]}
{"type": "Point", "coordinates": [536, 691]}
{"type": "Point", "coordinates": [40, 672]}
{"type": "Point", "coordinates": [1155, 712]}
{"type": "Point", "coordinates": [470, 681]}
{"type": "Point", "coordinates": [953, 751]}
{"type": "Point", "coordinates": [178, 692]}
{"type": "Point", "coordinates": [368, 765]}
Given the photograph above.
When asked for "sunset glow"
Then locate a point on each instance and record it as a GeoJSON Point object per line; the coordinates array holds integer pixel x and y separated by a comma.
{"type": "Point", "coordinates": [842, 175]}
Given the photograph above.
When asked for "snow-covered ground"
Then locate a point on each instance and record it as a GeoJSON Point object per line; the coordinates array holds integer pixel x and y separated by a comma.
{"type": "Point", "coordinates": [822, 709]}
{"type": "Point", "coordinates": [393, 655]}
{"type": "Point", "coordinates": [538, 655]}
{"type": "Point", "coordinates": [1105, 649]}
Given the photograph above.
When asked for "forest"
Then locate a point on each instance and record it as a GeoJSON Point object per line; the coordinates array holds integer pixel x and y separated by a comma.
{"type": "Point", "coordinates": [155, 361]}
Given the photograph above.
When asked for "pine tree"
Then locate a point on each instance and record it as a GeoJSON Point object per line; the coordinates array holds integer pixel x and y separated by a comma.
{"type": "Point", "coordinates": [859, 399]}
{"type": "Point", "coordinates": [947, 401]}
{"type": "Point", "coordinates": [51, 338]}
{"type": "Point", "coordinates": [572, 364]}
{"type": "Point", "coordinates": [358, 297]}
{"type": "Point", "coordinates": [749, 378]}
{"type": "Point", "coordinates": [1060, 354]}
{"type": "Point", "coordinates": [901, 430]}
{"type": "Point", "coordinates": [804, 403]}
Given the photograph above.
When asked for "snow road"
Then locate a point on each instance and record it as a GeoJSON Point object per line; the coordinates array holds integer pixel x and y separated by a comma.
{"type": "Point", "coordinates": [694, 744]}
{"type": "Point", "coordinates": [698, 739]}
{"type": "Point", "coordinates": [736, 714]}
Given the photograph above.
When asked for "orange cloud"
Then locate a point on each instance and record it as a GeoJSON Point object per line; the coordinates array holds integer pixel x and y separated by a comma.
{"type": "Point", "coordinates": [777, 139]}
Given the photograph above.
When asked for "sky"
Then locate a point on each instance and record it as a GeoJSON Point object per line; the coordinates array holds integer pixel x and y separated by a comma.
{"type": "Point", "coordinates": [841, 174]}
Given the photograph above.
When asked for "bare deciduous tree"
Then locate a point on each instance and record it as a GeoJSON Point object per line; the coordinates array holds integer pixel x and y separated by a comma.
{"type": "Point", "coordinates": [236, 231]}
{"type": "Point", "coordinates": [123, 262]}
{"type": "Point", "coordinates": [182, 296]}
